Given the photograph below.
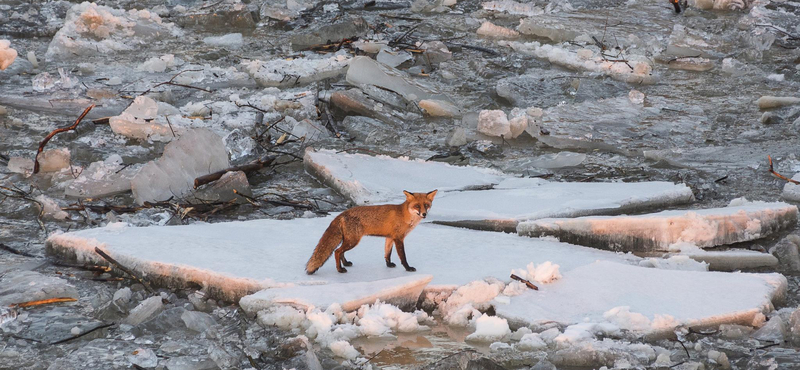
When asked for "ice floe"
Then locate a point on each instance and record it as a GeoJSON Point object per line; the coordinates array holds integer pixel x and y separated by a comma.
{"type": "Point", "coordinates": [657, 231]}
{"type": "Point", "coordinates": [647, 300]}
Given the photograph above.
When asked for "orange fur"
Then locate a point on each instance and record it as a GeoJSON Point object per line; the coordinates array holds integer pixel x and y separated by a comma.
{"type": "Point", "coordinates": [392, 221]}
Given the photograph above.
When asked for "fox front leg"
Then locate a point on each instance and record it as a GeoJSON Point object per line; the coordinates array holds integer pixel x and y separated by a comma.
{"type": "Point", "coordinates": [401, 252]}
{"type": "Point", "coordinates": [388, 252]}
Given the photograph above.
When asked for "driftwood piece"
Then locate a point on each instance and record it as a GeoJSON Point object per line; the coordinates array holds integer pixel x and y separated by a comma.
{"type": "Point", "coordinates": [43, 301]}
{"type": "Point", "coordinates": [526, 282]}
{"type": "Point", "coordinates": [250, 167]}
{"type": "Point", "coordinates": [123, 268]}
{"type": "Point", "coordinates": [57, 131]}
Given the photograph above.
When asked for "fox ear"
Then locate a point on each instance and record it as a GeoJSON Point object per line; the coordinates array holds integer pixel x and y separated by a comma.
{"type": "Point", "coordinates": [409, 195]}
{"type": "Point", "coordinates": [431, 194]}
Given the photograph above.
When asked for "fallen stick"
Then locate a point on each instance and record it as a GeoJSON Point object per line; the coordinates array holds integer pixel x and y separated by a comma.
{"type": "Point", "coordinates": [526, 282]}
{"type": "Point", "coordinates": [772, 171]}
{"type": "Point", "coordinates": [12, 250]}
{"type": "Point", "coordinates": [82, 334]}
{"type": "Point", "coordinates": [56, 131]}
{"type": "Point", "coordinates": [250, 167]}
{"type": "Point", "coordinates": [43, 301]}
{"type": "Point", "coordinates": [123, 268]}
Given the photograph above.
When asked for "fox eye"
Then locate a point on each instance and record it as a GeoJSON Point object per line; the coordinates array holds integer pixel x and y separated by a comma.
{"type": "Point", "coordinates": [416, 207]}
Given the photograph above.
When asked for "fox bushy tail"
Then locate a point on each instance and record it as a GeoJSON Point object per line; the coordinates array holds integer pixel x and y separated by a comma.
{"type": "Point", "coordinates": [327, 244]}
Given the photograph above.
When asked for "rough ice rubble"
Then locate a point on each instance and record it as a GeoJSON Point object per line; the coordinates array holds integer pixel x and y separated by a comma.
{"type": "Point", "coordinates": [657, 231]}
{"type": "Point", "coordinates": [299, 71]}
{"type": "Point", "coordinates": [364, 180]}
{"type": "Point", "coordinates": [238, 258]}
{"type": "Point", "coordinates": [640, 70]}
{"type": "Point", "coordinates": [197, 152]}
{"type": "Point", "coordinates": [401, 292]}
{"type": "Point", "coordinates": [91, 29]}
{"type": "Point", "coordinates": [7, 54]}
{"type": "Point", "coordinates": [647, 300]}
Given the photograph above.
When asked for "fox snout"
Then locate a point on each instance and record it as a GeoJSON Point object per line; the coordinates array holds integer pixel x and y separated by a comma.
{"type": "Point", "coordinates": [424, 214]}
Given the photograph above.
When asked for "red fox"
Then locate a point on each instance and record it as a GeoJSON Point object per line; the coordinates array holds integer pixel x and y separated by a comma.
{"type": "Point", "coordinates": [392, 221]}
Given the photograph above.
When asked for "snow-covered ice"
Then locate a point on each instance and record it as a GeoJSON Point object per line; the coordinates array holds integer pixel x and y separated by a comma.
{"type": "Point", "coordinates": [401, 292]}
{"type": "Point", "coordinates": [657, 231]}
{"type": "Point", "coordinates": [239, 258]}
{"type": "Point", "coordinates": [494, 200]}
{"type": "Point", "coordinates": [647, 300]}
{"type": "Point", "coordinates": [520, 199]}
{"type": "Point", "coordinates": [365, 180]}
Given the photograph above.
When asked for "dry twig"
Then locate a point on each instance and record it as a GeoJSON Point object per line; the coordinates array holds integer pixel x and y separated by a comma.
{"type": "Point", "coordinates": [525, 281]}
{"type": "Point", "coordinates": [56, 131]}
{"type": "Point", "coordinates": [123, 268]}
{"type": "Point", "coordinates": [772, 171]}
{"type": "Point", "coordinates": [43, 301]}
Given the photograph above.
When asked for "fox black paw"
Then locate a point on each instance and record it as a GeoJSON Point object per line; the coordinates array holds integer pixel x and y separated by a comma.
{"type": "Point", "coordinates": [342, 270]}
{"type": "Point", "coordinates": [390, 264]}
{"type": "Point", "coordinates": [347, 263]}
{"type": "Point", "coordinates": [410, 269]}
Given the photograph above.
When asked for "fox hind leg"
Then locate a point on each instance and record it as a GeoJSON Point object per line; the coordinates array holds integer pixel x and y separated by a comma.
{"type": "Point", "coordinates": [347, 244]}
{"type": "Point", "coordinates": [388, 252]}
{"type": "Point", "coordinates": [401, 252]}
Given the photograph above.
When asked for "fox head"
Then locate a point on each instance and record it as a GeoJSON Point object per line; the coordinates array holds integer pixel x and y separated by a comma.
{"type": "Point", "coordinates": [419, 203]}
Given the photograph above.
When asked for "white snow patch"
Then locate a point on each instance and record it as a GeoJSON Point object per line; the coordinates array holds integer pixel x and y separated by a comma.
{"type": "Point", "coordinates": [490, 329]}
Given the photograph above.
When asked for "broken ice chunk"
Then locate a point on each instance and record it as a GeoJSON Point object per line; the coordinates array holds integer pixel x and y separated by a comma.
{"type": "Point", "coordinates": [50, 208]}
{"type": "Point", "coordinates": [494, 123]}
{"type": "Point", "coordinates": [20, 165]}
{"type": "Point", "coordinates": [300, 71]}
{"type": "Point", "coordinates": [336, 32]}
{"type": "Point", "coordinates": [558, 160]}
{"type": "Point", "coordinates": [102, 179]}
{"type": "Point", "coordinates": [691, 63]}
{"type": "Point", "coordinates": [138, 121]}
{"type": "Point", "coordinates": [657, 231]}
{"type": "Point", "coordinates": [7, 54]}
{"type": "Point", "coordinates": [365, 71]}
{"type": "Point", "coordinates": [490, 329]}
{"type": "Point", "coordinates": [393, 58]}
{"type": "Point", "coordinates": [767, 102]}
{"type": "Point", "coordinates": [53, 160]}
{"type": "Point", "coordinates": [158, 64]}
{"type": "Point", "coordinates": [439, 108]}
{"type": "Point", "coordinates": [222, 190]}
{"type": "Point", "coordinates": [231, 40]}
{"type": "Point", "coordinates": [355, 101]}
{"type": "Point", "coordinates": [27, 286]}
{"type": "Point", "coordinates": [489, 29]}
{"type": "Point", "coordinates": [732, 260]}
{"type": "Point", "coordinates": [146, 310]}
{"type": "Point", "coordinates": [91, 29]}
{"type": "Point", "coordinates": [513, 7]}
{"type": "Point", "coordinates": [197, 152]}
{"type": "Point", "coordinates": [308, 131]}
{"type": "Point", "coordinates": [637, 69]}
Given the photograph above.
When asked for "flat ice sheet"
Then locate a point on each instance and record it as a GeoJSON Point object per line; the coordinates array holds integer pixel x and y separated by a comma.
{"type": "Point", "coordinates": [520, 199]}
{"type": "Point", "coordinates": [657, 231]}
{"type": "Point", "coordinates": [239, 258]}
{"type": "Point", "coordinates": [482, 198]}
{"type": "Point", "coordinates": [665, 297]}
{"type": "Point", "coordinates": [369, 179]}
